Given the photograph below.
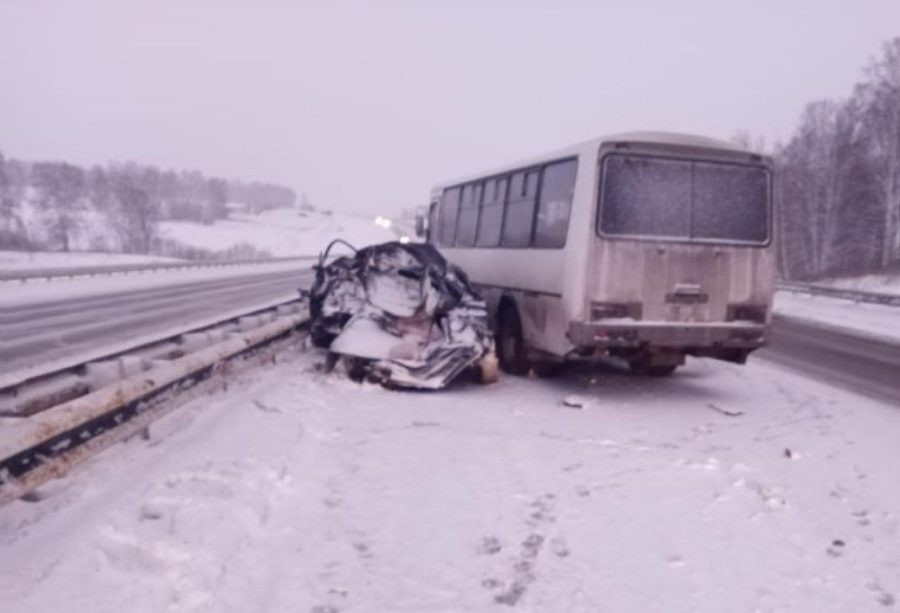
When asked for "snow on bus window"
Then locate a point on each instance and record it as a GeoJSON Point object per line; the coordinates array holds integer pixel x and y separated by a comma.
{"type": "Point", "coordinates": [433, 213]}
{"type": "Point", "coordinates": [730, 202]}
{"type": "Point", "coordinates": [557, 188]}
{"type": "Point", "coordinates": [646, 196]}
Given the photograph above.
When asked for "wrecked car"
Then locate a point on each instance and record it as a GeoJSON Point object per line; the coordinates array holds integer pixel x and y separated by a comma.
{"type": "Point", "coordinates": [400, 315]}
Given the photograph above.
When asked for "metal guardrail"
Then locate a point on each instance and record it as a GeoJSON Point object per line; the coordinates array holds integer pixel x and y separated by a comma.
{"type": "Point", "coordinates": [47, 443]}
{"type": "Point", "coordinates": [90, 271]}
{"type": "Point", "coordinates": [845, 294]}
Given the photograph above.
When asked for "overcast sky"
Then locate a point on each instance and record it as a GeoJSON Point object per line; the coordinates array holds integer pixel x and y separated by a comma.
{"type": "Point", "coordinates": [364, 108]}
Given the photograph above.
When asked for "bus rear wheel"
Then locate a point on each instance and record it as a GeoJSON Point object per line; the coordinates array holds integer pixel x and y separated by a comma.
{"type": "Point", "coordinates": [510, 344]}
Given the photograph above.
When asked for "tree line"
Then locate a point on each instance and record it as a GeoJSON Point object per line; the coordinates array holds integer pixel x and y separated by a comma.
{"type": "Point", "coordinates": [838, 184]}
{"type": "Point", "coordinates": [45, 205]}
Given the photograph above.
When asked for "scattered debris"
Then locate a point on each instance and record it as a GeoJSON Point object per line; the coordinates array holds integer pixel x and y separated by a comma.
{"type": "Point", "coordinates": [32, 496]}
{"type": "Point", "coordinates": [836, 549]}
{"type": "Point", "coordinates": [400, 315]}
{"type": "Point", "coordinates": [719, 409]}
{"type": "Point", "coordinates": [266, 408]}
{"type": "Point", "coordinates": [577, 402]}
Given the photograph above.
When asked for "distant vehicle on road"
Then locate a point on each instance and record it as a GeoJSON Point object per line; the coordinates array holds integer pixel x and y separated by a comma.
{"type": "Point", "coordinates": [643, 246]}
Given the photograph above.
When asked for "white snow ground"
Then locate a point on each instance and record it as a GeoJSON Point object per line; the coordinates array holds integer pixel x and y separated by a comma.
{"type": "Point", "coordinates": [30, 260]}
{"type": "Point", "coordinates": [879, 283]}
{"type": "Point", "coordinates": [867, 319]}
{"type": "Point", "coordinates": [282, 232]}
{"type": "Point", "coordinates": [721, 489]}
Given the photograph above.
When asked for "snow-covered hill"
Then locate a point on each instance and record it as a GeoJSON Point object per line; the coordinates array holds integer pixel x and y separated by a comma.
{"type": "Point", "coordinates": [281, 232]}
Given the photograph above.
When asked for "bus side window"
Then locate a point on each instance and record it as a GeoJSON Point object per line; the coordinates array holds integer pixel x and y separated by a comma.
{"type": "Point", "coordinates": [520, 209]}
{"type": "Point", "coordinates": [490, 221]}
{"type": "Point", "coordinates": [432, 229]}
{"type": "Point", "coordinates": [449, 211]}
{"type": "Point", "coordinates": [467, 225]}
{"type": "Point", "coordinates": [555, 204]}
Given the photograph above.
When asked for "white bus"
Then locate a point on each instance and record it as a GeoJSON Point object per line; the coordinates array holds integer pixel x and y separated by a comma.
{"type": "Point", "coordinates": [642, 246]}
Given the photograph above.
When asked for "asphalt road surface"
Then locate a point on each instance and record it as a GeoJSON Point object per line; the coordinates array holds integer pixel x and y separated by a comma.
{"type": "Point", "coordinates": [863, 364]}
{"type": "Point", "coordinates": [36, 333]}
{"type": "Point", "coordinates": [32, 334]}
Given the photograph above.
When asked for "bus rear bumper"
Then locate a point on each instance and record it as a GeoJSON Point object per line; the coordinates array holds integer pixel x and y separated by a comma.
{"type": "Point", "coordinates": [697, 338]}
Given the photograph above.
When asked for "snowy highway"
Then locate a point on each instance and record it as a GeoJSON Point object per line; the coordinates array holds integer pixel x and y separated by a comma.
{"type": "Point", "coordinates": [864, 363]}
{"type": "Point", "coordinates": [764, 487]}
{"type": "Point", "coordinates": [50, 321]}
{"type": "Point", "coordinates": [43, 322]}
{"type": "Point", "coordinates": [723, 488]}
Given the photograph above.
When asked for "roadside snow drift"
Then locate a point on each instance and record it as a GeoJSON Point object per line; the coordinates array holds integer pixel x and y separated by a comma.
{"type": "Point", "coordinates": [33, 260]}
{"type": "Point", "coordinates": [876, 320]}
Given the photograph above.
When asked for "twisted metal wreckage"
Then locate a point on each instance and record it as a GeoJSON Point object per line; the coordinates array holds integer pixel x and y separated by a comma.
{"type": "Point", "coordinates": [400, 315]}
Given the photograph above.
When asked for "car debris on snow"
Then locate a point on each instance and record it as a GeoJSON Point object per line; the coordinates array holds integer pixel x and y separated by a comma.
{"type": "Point", "coordinates": [725, 412]}
{"type": "Point", "coordinates": [577, 401]}
{"type": "Point", "coordinates": [399, 314]}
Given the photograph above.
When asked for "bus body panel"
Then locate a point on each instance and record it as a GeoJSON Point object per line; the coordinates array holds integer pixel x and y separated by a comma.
{"type": "Point", "coordinates": [546, 285]}
{"type": "Point", "coordinates": [701, 298]}
{"type": "Point", "coordinates": [711, 277]}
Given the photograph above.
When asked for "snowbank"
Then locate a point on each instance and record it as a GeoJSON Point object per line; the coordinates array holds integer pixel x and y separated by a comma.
{"type": "Point", "coordinates": [29, 260]}
{"type": "Point", "coordinates": [723, 488]}
{"type": "Point", "coordinates": [868, 319]}
{"type": "Point", "coordinates": [878, 283]}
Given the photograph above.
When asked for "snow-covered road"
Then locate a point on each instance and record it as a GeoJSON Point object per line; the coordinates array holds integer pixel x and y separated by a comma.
{"type": "Point", "coordinates": [103, 315]}
{"type": "Point", "coordinates": [873, 320]}
{"type": "Point", "coordinates": [724, 488]}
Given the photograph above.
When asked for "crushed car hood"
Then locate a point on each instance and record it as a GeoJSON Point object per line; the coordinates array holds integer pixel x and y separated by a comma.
{"type": "Point", "coordinates": [403, 314]}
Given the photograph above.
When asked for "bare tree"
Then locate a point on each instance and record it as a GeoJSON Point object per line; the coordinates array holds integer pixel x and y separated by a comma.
{"type": "Point", "coordinates": [99, 189]}
{"type": "Point", "coordinates": [217, 195]}
{"type": "Point", "coordinates": [136, 218]}
{"type": "Point", "coordinates": [880, 96]}
{"type": "Point", "coordinates": [12, 230]}
{"type": "Point", "coordinates": [60, 189]}
{"type": "Point", "coordinates": [828, 209]}
{"type": "Point", "coordinates": [749, 142]}
{"type": "Point", "coordinates": [132, 197]}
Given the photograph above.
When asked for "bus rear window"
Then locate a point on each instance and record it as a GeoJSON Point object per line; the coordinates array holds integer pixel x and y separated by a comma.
{"type": "Point", "coordinates": [683, 199]}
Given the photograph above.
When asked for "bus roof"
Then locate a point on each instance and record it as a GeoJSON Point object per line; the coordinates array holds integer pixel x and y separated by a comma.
{"type": "Point", "coordinates": [589, 146]}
